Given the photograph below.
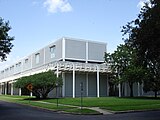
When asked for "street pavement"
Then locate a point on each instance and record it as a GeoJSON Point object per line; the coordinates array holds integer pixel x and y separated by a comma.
{"type": "Point", "coordinates": [12, 111]}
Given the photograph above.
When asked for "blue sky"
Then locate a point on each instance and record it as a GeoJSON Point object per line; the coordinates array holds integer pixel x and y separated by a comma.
{"type": "Point", "coordinates": [36, 23]}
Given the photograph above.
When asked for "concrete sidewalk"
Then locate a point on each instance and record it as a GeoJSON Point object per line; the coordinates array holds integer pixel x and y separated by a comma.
{"type": "Point", "coordinates": [104, 112]}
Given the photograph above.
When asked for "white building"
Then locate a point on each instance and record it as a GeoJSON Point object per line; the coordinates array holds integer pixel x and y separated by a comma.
{"type": "Point", "coordinates": [78, 61]}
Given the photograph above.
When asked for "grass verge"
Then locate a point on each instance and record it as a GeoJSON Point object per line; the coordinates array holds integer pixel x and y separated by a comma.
{"type": "Point", "coordinates": [107, 103]}
{"type": "Point", "coordinates": [114, 103]}
{"type": "Point", "coordinates": [31, 101]}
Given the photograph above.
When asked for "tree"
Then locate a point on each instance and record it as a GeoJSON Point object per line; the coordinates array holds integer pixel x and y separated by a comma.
{"type": "Point", "coordinates": [144, 36]}
{"type": "Point", "coordinates": [152, 84]}
{"type": "Point", "coordinates": [5, 39]}
{"type": "Point", "coordinates": [134, 74]}
{"type": "Point", "coordinates": [120, 59]}
{"type": "Point", "coordinates": [119, 62]}
{"type": "Point", "coordinates": [124, 63]}
{"type": "Point", "coordinates": [42, 83]}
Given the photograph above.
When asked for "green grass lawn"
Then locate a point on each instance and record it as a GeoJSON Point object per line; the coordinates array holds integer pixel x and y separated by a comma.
{"type": "Point", "coordinates": [113, 103]}
{"type": "Point", "coordinates": [31, 101]}
{"type": "Point", "coordinates": [108, 103]}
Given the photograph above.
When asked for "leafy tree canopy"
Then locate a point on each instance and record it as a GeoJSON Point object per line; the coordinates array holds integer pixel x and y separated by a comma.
{"type": "Point", "coordinates": [144, 36]}
{"type": "Point", "coordinates": [123, 62]}
{"type": "Point", "coordinates": [134, 74]}
{"type": "Point", "coordinates": [5, 40]}
{"type": "Point", "coordinates": [42, 83]}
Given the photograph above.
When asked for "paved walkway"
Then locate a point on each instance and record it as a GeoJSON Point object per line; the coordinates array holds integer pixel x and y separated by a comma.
{"type": "Point", "coordinates": [104, 112]}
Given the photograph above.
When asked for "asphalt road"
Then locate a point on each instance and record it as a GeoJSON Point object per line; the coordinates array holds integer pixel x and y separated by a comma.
{"type": "Point", "coordinates": [11, 111]}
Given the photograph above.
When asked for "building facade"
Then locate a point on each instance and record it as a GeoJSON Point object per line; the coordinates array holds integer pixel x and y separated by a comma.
{"type": "Point", "coordinates": [77, 61]}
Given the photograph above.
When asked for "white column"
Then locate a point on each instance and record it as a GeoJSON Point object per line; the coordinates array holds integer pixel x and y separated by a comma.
{"type": "Point", "coordinates": [57, 70]}
{"type": "Point", "coordinates": [2, 88]}
{"type": "Point", "coordinates": [31, 94]}
{"type": "Point", "coordinates": [87, 84]}
{"type": "Point", "coordinates": [87, 52]}
{"type": "Point", "coordinates": [12, 88]}
{"type": "Point", "coordinates": [73, 81]}
{"type": "Point", "coordinates": [63, 49]}
{"type": "Point", "coordinates": [5, 87]}
{"type": "Point", "coordinates": [138, 90]}
{"type": "Point", "coordinates": [119, 87]}
{"type": "Point", "coordinates": [63, 87]}
{"type": "Point", "coordinates": [57, 74]}
{"type": "Point", "coordinates": [20, 92]}
{"type": "Point", "coordinates": [97, 81]}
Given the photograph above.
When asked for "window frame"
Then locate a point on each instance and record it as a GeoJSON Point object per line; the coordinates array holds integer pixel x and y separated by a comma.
{"type": "Point", "coordinates": [37, 58]}
{"type": "Point", "coordinates": [52, 51]}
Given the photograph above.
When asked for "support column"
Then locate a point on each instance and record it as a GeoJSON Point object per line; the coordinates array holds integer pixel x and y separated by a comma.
{"type": "Point", "coordinates": [97, 81]}
{"type": "Point", "coordinates": [12, 88]}
{"type": "Point", "coordinates": [5, 88]}
{"type": "Point", "coordinates": [87, 52]}
{"type": "Point", "coordinates": [31, 94]}
{"type": "Point", "coordinates": [20, 92]}
{"type": "Point", "coordinates": [119, 87]}
{"type": "Point", "coordinates": [2, 88]}
{"type": "Point", "coordinates": [73, 81]}
{"type": "Point", "coordinates": [57, 70]}
{"type": "Point", "coordinates": [63, 49]}
{"type": "Point", "coordinates": [87, 84]}
{"type": "Point", "coordinates": [138, 90]}
{"type": "Point", "coordinates": [63, 87]}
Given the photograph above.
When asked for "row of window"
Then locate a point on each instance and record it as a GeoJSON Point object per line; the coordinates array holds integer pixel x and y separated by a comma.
{"type": "Point", "coordinates": [37, 59]}
{"type": "Point", "coordinates": [52, 53]}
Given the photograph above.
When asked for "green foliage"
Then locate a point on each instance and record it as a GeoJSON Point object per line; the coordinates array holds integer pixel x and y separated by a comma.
{"type": "Point", "coordinates": [134, 74]}
{"type": "Point", "coordinates": [120, 59]}
{"type": "Point", "coordinates": [42, 83]}
{"type": "Point", "coordinates": [125, 67]}
{"type": "Point", "coordinates": [5, 39]}
{"type": "Point", "coordinates": [152, 84]}
{"type": "Point", "coordinates": [144, 36]}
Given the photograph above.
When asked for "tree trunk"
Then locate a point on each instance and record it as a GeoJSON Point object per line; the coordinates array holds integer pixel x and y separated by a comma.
{"type": "Point", "coordinates": [131, 89]}
{"type": "Point", "coordinates": [36, 94]}
{"type": "Point", "coordinates": [45, 92]}
{"type": "Point", "coordinates": [44, 96]}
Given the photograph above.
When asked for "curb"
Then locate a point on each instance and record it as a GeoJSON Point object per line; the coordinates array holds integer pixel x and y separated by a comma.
{"type": "Point", "coordinates": [133, 111]}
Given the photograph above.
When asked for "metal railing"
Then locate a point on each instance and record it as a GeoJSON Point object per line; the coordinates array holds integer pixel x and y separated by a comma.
{"type": "Point", "coordinates": [61, 66]}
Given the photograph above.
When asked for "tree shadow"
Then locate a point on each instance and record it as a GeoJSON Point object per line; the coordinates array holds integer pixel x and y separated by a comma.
{"type": "Point", "coordinates": [144, 97]}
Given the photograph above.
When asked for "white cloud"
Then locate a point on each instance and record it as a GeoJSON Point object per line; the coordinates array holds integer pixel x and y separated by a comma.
{"type": "Point", "coordinates": [54, 6]}
{"type": "Point", "coordinates": [141, 3]}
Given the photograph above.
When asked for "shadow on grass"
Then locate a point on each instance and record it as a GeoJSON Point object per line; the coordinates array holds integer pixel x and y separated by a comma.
{"type": "Point", "coordinates": [143, 98]}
